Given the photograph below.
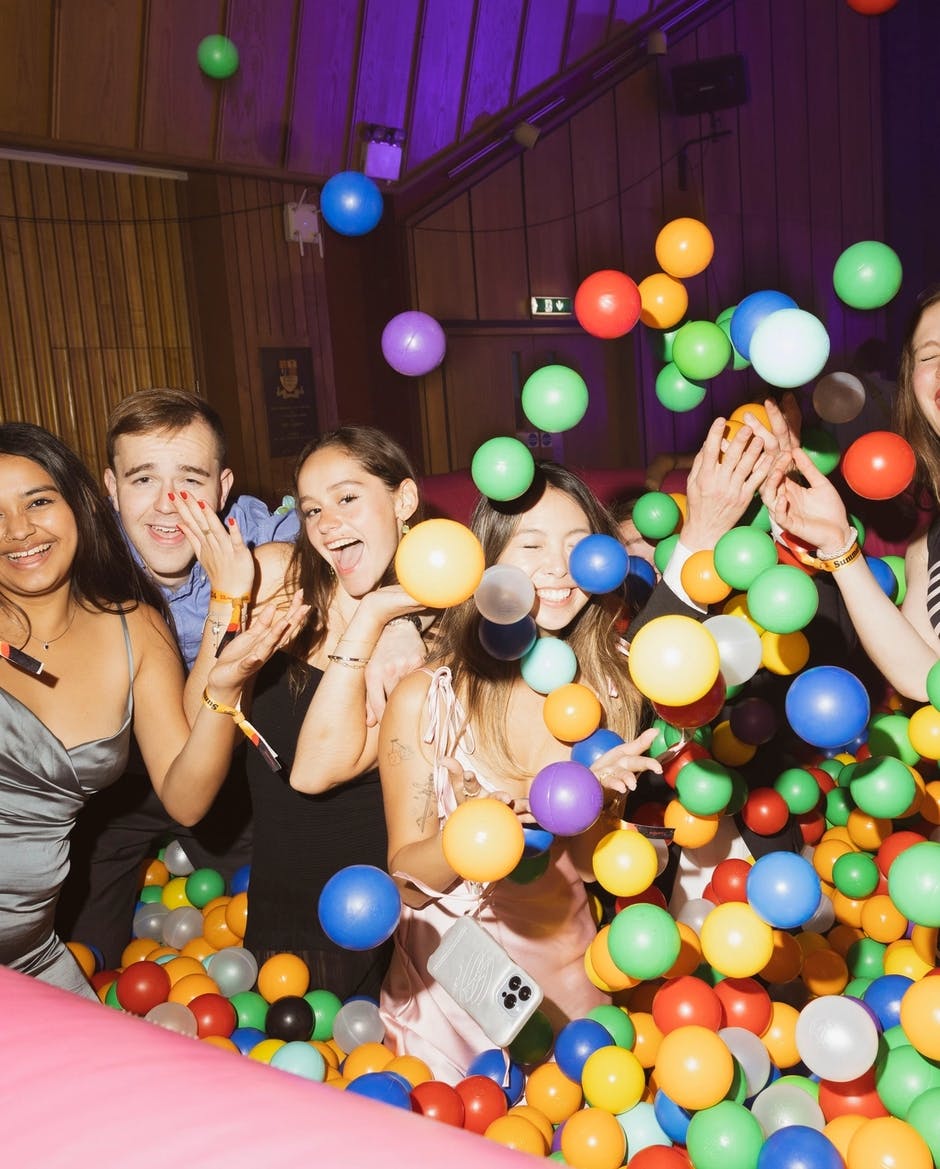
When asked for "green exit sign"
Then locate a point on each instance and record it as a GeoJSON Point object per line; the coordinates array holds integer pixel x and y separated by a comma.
{"type": "Point", "coordinates": [551, 306]}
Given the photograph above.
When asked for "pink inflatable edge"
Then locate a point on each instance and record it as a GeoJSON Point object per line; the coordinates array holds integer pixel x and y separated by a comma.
{"type": "Point", "coordinates": [88, 1085]}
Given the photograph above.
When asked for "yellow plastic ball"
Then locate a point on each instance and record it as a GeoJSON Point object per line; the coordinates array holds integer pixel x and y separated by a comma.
{"type": "Point", "coordinates": [613, 1079]}
{"type": "Point", "coordinates": [735, 940]}
{"type": "Point", "coordinates": [784, 653]}
{"type": "Point", "coordinates": [440, 563]}
{"type": "Point", "coordinates": [482, 840]}
{"type": "Point", "coordinates": [674, 660]}
{"type": "Point", "coordinates": [625, 863]}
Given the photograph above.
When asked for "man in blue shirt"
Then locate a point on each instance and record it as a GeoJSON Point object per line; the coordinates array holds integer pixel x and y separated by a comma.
{"type": "Point", "coordinates": [162, 442]}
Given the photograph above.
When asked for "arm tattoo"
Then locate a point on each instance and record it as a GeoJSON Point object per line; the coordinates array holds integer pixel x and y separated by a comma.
{"type": "Point", "coordinates": [429, 797]}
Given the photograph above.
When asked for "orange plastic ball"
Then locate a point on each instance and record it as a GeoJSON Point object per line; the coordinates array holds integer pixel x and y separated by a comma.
{"type": "Point", "coordinates": [664, 301]}
{"type": "Point", "coordinates": [825, 972]}
{"type": "Point", "coordinates": [137, 950]}
{"type": "Point", "coordinates": [690, 831]}
{"type": "Point", "coordinates": [516, 1132]}
{"type": "Point", "coordinates": [885, 1142]}
{"type": "Point", "coordinates": [281, 975]}
{"type": "Point", "coordinates": [756, 408]}
{"type": "Point", "coordinates": [236, 914]}
{"type": "Point", "coordinates": [482, 840]}
{"type": "Point", "coordinates": [415, 1070]}
{"type": "Point", "coordinates": [684, 247]}
{"type": "Point", "coordinates": [537, 1118]}
{"type": "Point", "coordinates": [440, 563]}
{"type": "Point", "coordinates": [216, 930]}
{"type": "Point", "coordinates": [593, 1139]}
{"type": "Point", "coordinates": [694, 1067]}
{"type": "Point", "coordinates": [572, 712]}
{"type": "Point", "coordinates": [690, 952]}
{"type": "Point", "coordinates": [156, 873]}
{"type": "Point", "coordinates": [180, 967]}
{"type": "Point", "coordinates": [191, 987]}
{"type": "Point", "coordinates": [84, 956]}
{"type": "Point", "coordinates": [920, 1016]}
{"type": "Point", "coordinates": [367, 1057]}
{"type": "Point", "coordinates": [882, 920]}
{"type": "Point", "coordinates": [198, 948]}
{"type": "Point", "coordinates": [780, 1036]}
{"type": "Point", "coordinates": [550, 1091]}
{"type": "Point", "coordinates": [648, 1037]}
{"type": "Point", "coordinates": [700, 579]}
{"type": "Point", "coordinates": [607, 975]}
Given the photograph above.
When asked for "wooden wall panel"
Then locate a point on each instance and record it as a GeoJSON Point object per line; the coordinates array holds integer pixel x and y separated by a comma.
{"type": "Point", "coordinates": [492, 66]}
{"type": "Point", "coordinates": [543, 43]}
{"type": "Point", "coordinates": [97, 91]}
{"type": "Point", "coordinates": [549, 206]}
{"type": "Point", "coordinates": [85, 299]}
{"type": "Point", "coordinates": [442, 57]}
{"type": "Point", "coordinates": [443, 263]}
{"type": "Point", "coordinates": [26, 31]}
{"type": "Point", "coordinates": [499, 247]}
{"type": "Point", "coordinates": [595, 189]}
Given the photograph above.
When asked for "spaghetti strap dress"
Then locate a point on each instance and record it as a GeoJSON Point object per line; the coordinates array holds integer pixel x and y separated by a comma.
{"type": "Point", "coordinates": [545, 926]}
{"type": "Point", "coordinates": [301, 840]}
{"type": "Point", "coordinates": [43, 786]}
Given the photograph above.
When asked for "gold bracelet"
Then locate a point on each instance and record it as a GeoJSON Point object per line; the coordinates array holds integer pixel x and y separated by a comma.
{"type": "Point", "coordinates": [351, 663]}
{"type": "Point", "coordinates": [253, 736]}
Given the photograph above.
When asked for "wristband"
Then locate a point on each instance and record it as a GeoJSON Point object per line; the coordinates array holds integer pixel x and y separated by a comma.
{"type": "Point", "coordinates": [234, 621]}
{"type": "Point", "coordinates": [833, 563]}
{"type": "Point", "coordinates": [257, 740]}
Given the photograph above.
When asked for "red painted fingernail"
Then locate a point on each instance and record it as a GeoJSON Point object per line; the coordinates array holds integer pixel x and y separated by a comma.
{"type": "Point", "coordinates": [202, 504]}
{"type": "Point", "coordinates": [183, 495]}
{"type": "Point", "coordinates": [170, 495]}
{"type": "Point", "coordinates": [231, 521]}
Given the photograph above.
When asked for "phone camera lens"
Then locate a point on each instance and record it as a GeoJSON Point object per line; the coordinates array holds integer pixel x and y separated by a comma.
{"type": "Point", "coordinates": [515, 982]}
{"type": "Point", "coordinates": [509, 1001]}
{"type": "Point", "coordinates": [525, 994]}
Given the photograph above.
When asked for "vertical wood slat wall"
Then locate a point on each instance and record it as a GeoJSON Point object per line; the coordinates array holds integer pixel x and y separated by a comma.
{"type": "Point", "coordinates": [797, 180]}
{"type": "Point", "coordinates": [93, 303]}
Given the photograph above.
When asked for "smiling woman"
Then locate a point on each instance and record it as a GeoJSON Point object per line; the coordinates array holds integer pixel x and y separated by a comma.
{"type": "Point", "coordinates": [89, 659]}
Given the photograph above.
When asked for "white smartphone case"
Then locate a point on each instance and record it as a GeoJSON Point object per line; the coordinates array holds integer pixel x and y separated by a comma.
{"type": "Point", "coordinates": [480, 976]}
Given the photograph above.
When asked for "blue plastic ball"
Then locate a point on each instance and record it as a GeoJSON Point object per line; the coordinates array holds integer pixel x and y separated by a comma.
{"type": "Point", "coordinates": [589, 750]}
{"type": "Point", "coordinates": [575, 1042]}
{"type": "Point", "coordinates": [387, 1089]}
{"type": "Point", "coordinates": [510, 642]}
{"type": "Point", "coordinates": [359, 907]}
{"type": "Point", "coordinates": [537, 840]}
{"type": "Point", "coordinates": [245, 1038]}
{"type": "Point", "coordinates": [784, 889]}
{"type": "Point", "coordinates": [641, 579]}
{"type": "Point", "coordinates": [672, 1119]}
{"type": "Point", "coordinates": [797, 1146]}
{"type": "Point", "coordinates": [749, 314]}
{"type": "Point", "coordinates": [496, 1065]}
{"type": "Point", "coordinates": [883, 574]}
{"type": "Point", "coordinates": [351, 203]}
{"type": "Point", "coordinates": [548, 664]}
{"type": "Point", "coordinates": [827, 706]}
{"type": "Point", "coordinates": [240, 880]}
{"type": "Point", "coordinates": [884, 994]}
{"type": "Point", "coordinates": [598, 563]}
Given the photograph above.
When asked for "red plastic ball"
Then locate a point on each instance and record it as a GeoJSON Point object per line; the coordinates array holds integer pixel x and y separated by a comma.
{"type": "Point", "coordinates": [141, 986]}
{"type": "Point", "coordinates": [659, 1157]}
{"type": "Point", "coordinates": [858, 1097]}
{"type": "Point", "coordinates": [214, 1014]}
{"type": "Point", "coordinates": [894, 844]}
{"type": "Point", "coordinates": [438, 1101]}
{"type": "Point", "coordinates": [651, 896]}
{"type": "Point", "coordinates": [607, 304]}
{"type": "Point", "coordinates": [483, 1100]}
{"type": "Point", "coordinates": [871, 7]}
{"type": "Point", "coordinates": [879, 465]}
{"type": "Point", "coordinates": [686, 1000]}
{"type": "Point", "coordinates": [812, 825]}
{"type": "Point", "coordinates": [746, 1004]}
{"type": "Point", "coordinates": [765, 811]}
{"type": "Point", "coordinates": [689, 753]}
{"type": "Point", "coordinates": [729, 880]}
{"type": "Point", "coordinates": [698, 713]}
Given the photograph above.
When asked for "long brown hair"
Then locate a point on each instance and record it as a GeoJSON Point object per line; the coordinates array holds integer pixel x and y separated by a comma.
{"type": "Point", "coordinates": [484, 683]}
{"type": "Point", "coordinates": [909, 418]}
{"type": "Point", "coordinates": [379, 455]}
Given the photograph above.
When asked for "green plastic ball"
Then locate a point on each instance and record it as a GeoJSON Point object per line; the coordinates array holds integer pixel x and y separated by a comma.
{"type": "Point", "coordinates": [867, 275]}
{"type": "Point", "coordinates": [251, 1009]}
{"type": "Point", "coordinates": [534, 1041]}
{"type": "Point", "coordinates": [554, 398]}
{"type": "Point", "coordinates": [663, 551]}
{"type": "Point", "coordinates": [656, 515]}
{"type": "Point", "coordinates": [783, 599]}
{"type": "Point", "coordinates": [502, 468]}
{"type": "Point", "coordinates": [325, 1005]}
{"type": "Point", "coordinates": [701, 350]}
{"type": "Point", "coordinates": [883, 787]}
{"type": "Point", "coordinates": [822, 449]}
{"type": "Point", "coordinates": [725, 1135]}
{"type": "Point", "coordinates": [704, 787]}
{"type": "Point", "coordinates": [800, 790]}
{"type": "Point", "coordinates": [933, 685]}
{"type": "Point", "coordinates": [203, 886]}
{"type": "Point", "coordinates": [855, 874]}
{"type": "Point", "coordinates": [217, 57]}
{"type": "Point", "coordinates": [723, 321]}
{"type": "Point", "coordinates": [914, 883]}
{"type": "Point", "coordinates": [896, 564]}
{"type": "Point", "coordinates": [616, 1021]}
{"type": "Point", "coordinates": [888, 735]}
{"type": "Point", "coordinates": [677, 392]}
{"type": "Point", "coordinates": [644, 940]}
{"type": "Point", "coordinates": [742, 554]}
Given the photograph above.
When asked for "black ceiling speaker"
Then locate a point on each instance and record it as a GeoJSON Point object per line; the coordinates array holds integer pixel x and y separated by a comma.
{"type": "Point", "coordinates": [717, 83]}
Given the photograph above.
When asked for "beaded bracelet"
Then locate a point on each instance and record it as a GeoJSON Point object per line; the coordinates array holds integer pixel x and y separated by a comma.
{"type": "Point", "coordinates": [257, 740]}
{"type": "Point", "coordinates": [411, 618]}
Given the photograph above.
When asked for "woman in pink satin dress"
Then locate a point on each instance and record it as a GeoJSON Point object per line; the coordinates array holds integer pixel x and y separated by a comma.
{"type": "Point", "coordinates": [473, 726]}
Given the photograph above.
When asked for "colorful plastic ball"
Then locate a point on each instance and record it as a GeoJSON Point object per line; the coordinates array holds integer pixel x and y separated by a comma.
{"type": "Point", "coordinates": [694, 1067]}
{"type": "Point", "coordinates": [724, 1136]}
{"type": "Point", "coordinates": [283, 974]}
{"type": "Point", "coordinates": [723, 321]}
{"type": "Point", "coordinates": [783, 599]}
{"type": "Point", "coordinates": [505, 594]}
{"type": "Point", "coordinates": [554, 398]}
{"type": "Point", "coordinates": [658, 1157]}
{"type": "Point", "coordinates": [625, 862]}
{"type": "Point", "coordinates": [736, 941]}
{"type": "Point", "coordinates": [742, 554]}
{"type": "Point", "coordinates": [550, 1091]}
{"type": "Point", "coordinates": [796, 1146]}
{"type": "Point", "coordinates": [502, 468]}
{"type": "Point", "coordinates": [572, 712]}
{"type": "Point", "coordinates": [674, 660]}
{"type": "Point", "coordinates": [300, 1059]}
{"type": "Point", "coordinates": [765, 811]}
{"type": "Point", "coordinates": [839, 397]}
{"type": "Point", "coordinates": [746, 1003]}
{"type": "Point", "coordinates": [914, 883]}
{"type": "Point", "coordinates": [871, 7]}
{"type": "Point", "coordinates": [234, 969]}
{"type": "Point", "coordinates": [413, 343]}
{"type": "Point", "coordinates": [663, 300]}
{"type": "Point", "coordinates": [359, 907]}
{"type": "Point", "coordinates": [351, 203]}
{"type": "Point", "coordinates": [879, 465]}
{"type": "Point", "coordinates": [750, 312]}
{"type": "Point", "coordinates": [607, 304]}
{"type": "Point", "coordinates": [181, 925]}
{"type": "Point", "coordinates": [837, 1037]}
{"type": "Point", "coordinates": [494, 1063]}
{"type": "Point", "coordinates": [141, 986]}
{"type": "Point", "coordinates": [251, 1009]}
{"type": "Point", "coordinates": [173, 1017]}
{"type": "Point", "coordinates": [214, 1015]}
{"type": "Point", "coordinates": [575, 1042]}
{"type": "Point", "coordinates": [924, 732]}
{"type": "Point", "coordinates": [867, 275]}
{"type": "Point", "coordinates": [700, 579]}
{"type": "Point", "coordinates": [677, 392]}
{"type": "Point", "coordinates": [888, 1141]}
{"type": "Point", "coordinates": [289, 1018]}
{"type": "Point", "coordinates": [855, 875]}
{"type": "Point", "coordinates": [883, 786]}
{"type": "Point", "coordinates": [483, 840]}
{"type": "Point", "coordinates": [217, 57]}
{"type": "Point", "coordinates": [613, 1079]}
{"type": "Point", "coordinates": [673, 1120]}
{"type": "Point", "coordinates": [789, 348]}
{"type": "Point", "coordinates": [565, 798]}
{"type": "Point", "coordinates": [704, 787]}
{"type": "Point", "coordinates": [508, 643]}
{"type": "Point", "coordinates": [548, 664]}
{"type": "Point", "coordinates": [438, 1101]}
{"type": "Point", "coordinates": [516, 1132]}
{"type": "Point", "coordinates": [148, 921]}
{"type": "Point", "coordinates": [754, 720]}
{"type": "Point", "coordinates": [380, 1086]}
{"type": "Point", "coordinates": [357, 1022]}
{"type": "Point", "coordinates": [440, 563]}
{"type": "Point", "coordinates": [598, 563]}
{"type": "Point", "coordinates": [701, 350]}
{"type": "Point", "coordinates": [684, 247]}
{"type": "Point", "coordinates": [656, 515]}
{"type": "Point", "coordinates": [534, 1042]}
{"type": "Point", "coordinates": [483, 1101]}
{"type": "Point", "coordinates": [644, 941]}
{"type": "Point", "coordinates": [827, 706]}
{"type": "Point", "coordinates": [739, 647]}
{"type": "Point", "coordinates": [924, 1117]}
{"type": "Point", "coordinates": [588, 751]}
{"type": "Point", "coordinates": [784, 889]}
{"type": "Point", "coordinates": [662, 554]}
{"type": "Point", "coordinates": [592, 1139]}
{"type": "Point", "coordinates": [686, 1000]}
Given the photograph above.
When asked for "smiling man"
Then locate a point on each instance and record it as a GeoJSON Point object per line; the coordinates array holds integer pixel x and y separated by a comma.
{"type": "Point", "coordinates": [161, 442]}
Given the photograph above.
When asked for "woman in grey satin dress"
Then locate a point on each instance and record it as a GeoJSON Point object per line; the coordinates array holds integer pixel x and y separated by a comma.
{"type": "Point", "coordinates": [87, 660]}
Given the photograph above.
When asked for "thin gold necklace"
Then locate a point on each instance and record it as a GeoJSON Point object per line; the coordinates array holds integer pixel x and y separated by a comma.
{"type": "Point", "coordinates": [45, 644]}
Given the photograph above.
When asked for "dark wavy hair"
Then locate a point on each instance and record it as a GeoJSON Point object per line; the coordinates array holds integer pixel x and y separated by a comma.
{"type": "Point", "coordinates": [104, 575]}
{"type": "Point", "coordinates": [909, 419]}
{"type": "Point", "coordinates": [379, 455]}
{"type": "Point", "coordinates": [483, 682]}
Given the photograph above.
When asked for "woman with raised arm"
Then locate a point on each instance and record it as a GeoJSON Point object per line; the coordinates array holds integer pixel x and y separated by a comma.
{"type": "Point", "coordinates": [88, 660]}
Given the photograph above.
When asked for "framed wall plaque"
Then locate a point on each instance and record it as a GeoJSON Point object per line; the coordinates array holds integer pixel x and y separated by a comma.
{"type": "Point", "coordinates": [289, 402]}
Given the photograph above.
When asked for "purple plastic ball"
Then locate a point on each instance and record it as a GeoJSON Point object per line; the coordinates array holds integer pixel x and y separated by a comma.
{"type": "Point", "coordinates": [413, 343]}
{"type": "Point", "coordinates": [566, 798]}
